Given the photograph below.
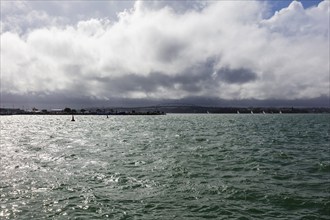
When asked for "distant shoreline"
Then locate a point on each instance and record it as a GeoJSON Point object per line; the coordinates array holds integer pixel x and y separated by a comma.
{"type": "Point", "coordinates": [163, 110]}
{"type": "Point", "coordinates": [30, 113]}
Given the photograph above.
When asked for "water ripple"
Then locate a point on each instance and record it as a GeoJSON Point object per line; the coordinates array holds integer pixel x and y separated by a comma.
{"type": "Point", "coordinates": [165, 167]}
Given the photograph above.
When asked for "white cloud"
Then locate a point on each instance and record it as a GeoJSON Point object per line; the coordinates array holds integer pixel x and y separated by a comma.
{"type": "Point", "coordinates": [224, 49]}
{"type": "Point", "coordinates": [295, 20]}
{"type": "Point", "coordinates": [19, 17]}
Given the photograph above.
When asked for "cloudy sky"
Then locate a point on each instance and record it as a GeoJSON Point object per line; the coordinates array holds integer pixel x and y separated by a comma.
{"type": "Point", "coordinates": [60, 53]}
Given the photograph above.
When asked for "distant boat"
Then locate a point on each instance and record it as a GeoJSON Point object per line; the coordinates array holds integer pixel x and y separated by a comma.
{"type": "Point", "coordinates": [107, 116]}
{"type": "Point", "coordinates": [251, 112]}
{"type": "Point", "coordinates": [263, 112]}
{"type": "Point", "coordinates": [280, 112]}
{"type": "Point", "coordinates": [237, 112]}
{"type": "Point", "coordinates": [72, 119]}
{"type": "Point", "coordinates": [208, 112]}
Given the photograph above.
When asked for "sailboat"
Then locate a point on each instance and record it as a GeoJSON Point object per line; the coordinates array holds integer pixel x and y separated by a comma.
{"type": "Point", "coordinates": [263, 112]}
{"type": "Point", "coordinates": [280, 112]}
{"type": "Point", "coordinates": [251, 112]}
{"type": "Point", "coordinates": [237, 112]}
{"type": "Point", "coordinates": [72, 119]}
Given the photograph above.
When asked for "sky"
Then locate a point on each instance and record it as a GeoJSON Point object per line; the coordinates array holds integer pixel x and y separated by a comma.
{"type": "Point", "coordinates": [124, 53]}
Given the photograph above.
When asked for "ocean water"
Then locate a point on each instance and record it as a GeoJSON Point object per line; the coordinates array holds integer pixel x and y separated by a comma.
{"type": "Point", "coordinates": [165, 167]}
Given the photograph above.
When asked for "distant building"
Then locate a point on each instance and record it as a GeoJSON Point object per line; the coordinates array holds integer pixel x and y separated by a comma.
{"type": "Point", "coordinates": [56, 111]}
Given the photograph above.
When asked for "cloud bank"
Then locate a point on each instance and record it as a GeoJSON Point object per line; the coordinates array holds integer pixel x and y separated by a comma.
{"type": "Point", "coordinates": [170, 50]}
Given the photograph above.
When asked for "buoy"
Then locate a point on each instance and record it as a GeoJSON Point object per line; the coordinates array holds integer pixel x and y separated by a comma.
{"type": "Point", "coordinates": [72, 119]}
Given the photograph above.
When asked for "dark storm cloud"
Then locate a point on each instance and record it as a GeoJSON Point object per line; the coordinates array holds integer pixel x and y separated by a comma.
{"type": "Point", "coordinates": [73, 69]}
{"type": "Point", "coordinates": [198, 77]}
{"type": "Point", "coordinates": [150, 83]}
{"type": "Point", "coordinates": [169, 49]}
{"type": "Point", "coordinates": [192, 80]}
{"type": "Point", "coordinates": [238, 76]}
{"type": "Point", "coordinates": [181, 6]}
{"type": "Point", "coordinates": [134, 82]}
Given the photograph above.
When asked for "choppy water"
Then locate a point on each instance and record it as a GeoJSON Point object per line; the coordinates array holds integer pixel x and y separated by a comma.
{"type": "Point", "coordinates": [165, 167]}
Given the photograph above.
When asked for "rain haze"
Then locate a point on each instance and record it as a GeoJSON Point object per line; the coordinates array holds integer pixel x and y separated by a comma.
{"type": "Point", "coordinates": [137, 53]}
